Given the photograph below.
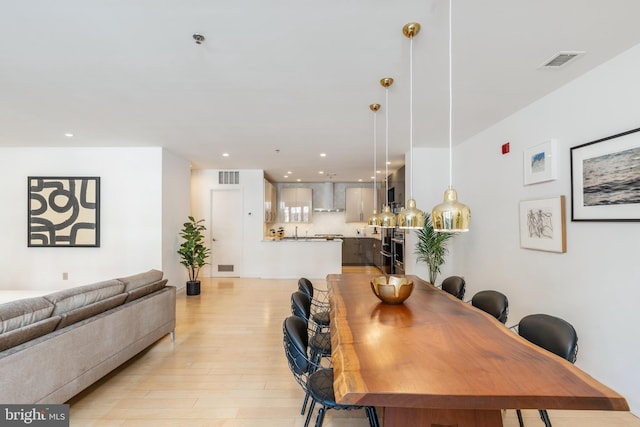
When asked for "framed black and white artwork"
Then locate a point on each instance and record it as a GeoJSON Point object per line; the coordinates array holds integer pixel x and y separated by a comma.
{"type": "Point", "coordinates": [605, 179]}
{"type": "Point", "coordinates": [63, 211]}
{"type": "Point", "coordinates": [543, 224]}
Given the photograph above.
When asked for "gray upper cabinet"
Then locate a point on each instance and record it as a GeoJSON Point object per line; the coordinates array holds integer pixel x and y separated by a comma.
{"type": "Point", "coordinates": [295, 204]}
{"type": "Point", "coordinates": [359, 204]}
{"type": "Point", "coordinates": [269, 202]}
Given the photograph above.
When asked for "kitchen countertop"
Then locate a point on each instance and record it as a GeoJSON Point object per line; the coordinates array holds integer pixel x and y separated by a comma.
{"type": "Point", "coordinates": [301, 240]}
{"type": "Point", "coordinates": [313, 258]}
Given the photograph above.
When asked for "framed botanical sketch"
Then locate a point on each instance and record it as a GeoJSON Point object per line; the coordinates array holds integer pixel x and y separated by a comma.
{"type": "Point", "coordinates": [540, 163]}
{"type": "Point", "coordinates": [605, 179]}
{"type": "Point", "coordinates": [543, 224]}
{"type": "Point", "coordinates": [63, 211]}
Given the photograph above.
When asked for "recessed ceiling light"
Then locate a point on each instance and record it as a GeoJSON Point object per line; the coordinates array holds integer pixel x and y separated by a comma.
{"type": "Point", "coordinates": [286, 176]}
{"type": "Point", "coordinates": [68, 135]}
{"type": "Point", "coordinates": [323, 154]}
{"type": "Point", "coordinates": [359, 179]}
{"type": "Point", "coordinates": [298, 180]}
{"type": "Point", "coordinates": [225, 154]}
{"type": "Point", "coordinates": [321, 172]}
{"type": "Point", "coordinates": [289, 173]}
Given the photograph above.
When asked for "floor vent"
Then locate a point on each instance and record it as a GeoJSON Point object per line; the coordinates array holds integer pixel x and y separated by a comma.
{"type": "Point", "coordinates": [225, 268]}
{"type": "Point", "coordinates": [228, 177]}
{"type": "Point", "coordinates": [560, 59]}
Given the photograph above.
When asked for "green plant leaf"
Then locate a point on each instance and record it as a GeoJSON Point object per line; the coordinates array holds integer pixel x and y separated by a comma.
{"type": "Point", "coordinates": [431, 247]}
{"type": "Point", "coordinates": [193, 253]}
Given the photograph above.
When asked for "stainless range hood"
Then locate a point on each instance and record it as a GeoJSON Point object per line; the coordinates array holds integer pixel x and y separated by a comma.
{"type": "Point", "coordinates": [325, 200]}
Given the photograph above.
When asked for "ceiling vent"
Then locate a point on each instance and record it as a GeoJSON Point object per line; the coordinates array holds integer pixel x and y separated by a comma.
{"type": "Point", "coordinates": [560, 59]}
{"type": "Point", "coordinates": [229, 177]}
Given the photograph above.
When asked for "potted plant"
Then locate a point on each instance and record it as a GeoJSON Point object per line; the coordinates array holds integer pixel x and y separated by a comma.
{"type": "Point", "coordinates": [193, 252]}
{"type": "Point", "coordinates": [432, 248]}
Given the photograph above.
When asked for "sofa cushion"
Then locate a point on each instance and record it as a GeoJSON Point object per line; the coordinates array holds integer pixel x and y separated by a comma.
{"type": "Point", "coordinates": [28, 332]}
{"type": "Point", "coordinates": [22, 312]}
{"type": "Point", "coordinates": [70, 299]}
{"type": "Point", "coordinates": [145, 290]}
{"type": "Point", "coordinates": [86, 311]}
{"type": "Point", "coordinates": [141, 279]}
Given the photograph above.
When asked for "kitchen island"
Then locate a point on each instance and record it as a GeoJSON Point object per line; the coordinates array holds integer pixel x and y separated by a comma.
{"type": "Point", "coordinates": [292, 258]}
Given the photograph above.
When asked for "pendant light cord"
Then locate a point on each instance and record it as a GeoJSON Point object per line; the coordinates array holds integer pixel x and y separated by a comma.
{"type": "Point", "coordinates": [411, 118]}
{"type": "Point", "coordinates": [450, 104]}
{"type": "Point", "coordinates": [375, 144]}
{"type": "Point", "coordinates": [386, 152]}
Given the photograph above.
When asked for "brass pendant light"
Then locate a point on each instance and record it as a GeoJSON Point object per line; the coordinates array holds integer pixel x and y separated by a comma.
{"type": "Point", "coordinates": [411, 217]}
{"type": "Point", "coordinates": [374, 219]}
{"type": "Point", "coordinates": [387, 219]}
{"type": "Point", "coordinates": [451, 216]}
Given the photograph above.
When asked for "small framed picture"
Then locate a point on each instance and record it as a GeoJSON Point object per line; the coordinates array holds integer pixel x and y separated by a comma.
{"type": "Point", "coordinates": [542, 224]}
{"type": "Point", "coordinates": [540, 163]}
{"type": "Point", "coordinates": [605, 179]}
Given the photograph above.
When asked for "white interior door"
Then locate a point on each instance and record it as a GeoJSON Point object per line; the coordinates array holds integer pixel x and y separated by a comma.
{"type": "Point", "coordinates": [226, 233]}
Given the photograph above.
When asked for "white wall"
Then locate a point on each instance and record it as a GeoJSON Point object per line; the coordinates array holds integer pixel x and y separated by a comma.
{"type": "Point", "coordinates": [131, 217]}
{"type": "Point", "coordinates": [595, 285]}
{"type": "Point", "coordinates": [176, 181]}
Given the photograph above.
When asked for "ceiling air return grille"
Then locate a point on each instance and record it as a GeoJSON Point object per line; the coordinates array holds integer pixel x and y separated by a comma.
{"type": "Point", "coordinates": [228, 177]}
{"type": "Point", "coordinates": [560, 59]}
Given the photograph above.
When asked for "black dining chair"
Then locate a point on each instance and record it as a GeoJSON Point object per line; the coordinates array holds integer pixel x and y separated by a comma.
{"type": "Point", "coordinates": [454, 285]}
{"type": "Point", "coordinates": [493, 302]}
{"type": "Point", "coordinates": [314, 380]}
{"type": "Point", "coordinates": [319, 301]}
{"type": "Point", "coordinates": [553, 334]}
{"type": "Point", "coordinates": [319, 342]}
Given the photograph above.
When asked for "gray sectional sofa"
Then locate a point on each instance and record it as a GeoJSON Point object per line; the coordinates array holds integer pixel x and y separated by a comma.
{"type": "Point", "coordinates": [54, 346]}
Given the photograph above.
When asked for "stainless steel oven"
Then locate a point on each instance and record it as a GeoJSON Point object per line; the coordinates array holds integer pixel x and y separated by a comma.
{"type": "Point", "coordinates": [397, 251]}
{"type": "Point", "coordinates": [386, 246]}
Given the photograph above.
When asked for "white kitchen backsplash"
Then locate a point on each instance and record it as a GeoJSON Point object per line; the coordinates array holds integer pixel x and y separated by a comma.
{"type": "Point", "coordinates": [326, 223]}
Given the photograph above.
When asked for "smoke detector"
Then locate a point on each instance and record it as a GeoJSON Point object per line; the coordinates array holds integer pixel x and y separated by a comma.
{"type": "Point", "coordinates": [561, 59]}
{"type": "Point", "coordinates": [199, 38]}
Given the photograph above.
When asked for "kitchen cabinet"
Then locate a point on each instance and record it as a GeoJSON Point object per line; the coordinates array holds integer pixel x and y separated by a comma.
{"type": "Point", "coordinates": [359, 204]}
{"type": "Point", "coordinates": [295, 204]}
{"type": "Point", "coordinates": [357, 250]}
{"type": "Point", "coordinates": [269, 202]}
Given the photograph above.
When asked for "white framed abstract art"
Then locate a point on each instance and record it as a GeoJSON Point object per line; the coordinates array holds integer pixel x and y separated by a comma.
{"type": "Point", "coordinates": [543, 224]}
{"type": "Point", "coordinates": [540, 163]}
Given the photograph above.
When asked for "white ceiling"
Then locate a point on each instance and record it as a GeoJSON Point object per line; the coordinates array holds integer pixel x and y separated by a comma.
{"type": "Point", "coordinates": [290, 75]}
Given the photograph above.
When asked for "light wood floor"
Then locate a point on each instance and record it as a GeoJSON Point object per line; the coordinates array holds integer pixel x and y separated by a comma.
{"type": "Point", "coordinates": [227, 368]}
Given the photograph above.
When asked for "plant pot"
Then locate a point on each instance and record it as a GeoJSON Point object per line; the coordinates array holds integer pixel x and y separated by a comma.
{"type": "Point", "coordinates": [193, 287]}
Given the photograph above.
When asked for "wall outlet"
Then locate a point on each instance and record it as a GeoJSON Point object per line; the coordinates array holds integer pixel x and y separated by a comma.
{"type": "Point", "coordinates": [65, 276]}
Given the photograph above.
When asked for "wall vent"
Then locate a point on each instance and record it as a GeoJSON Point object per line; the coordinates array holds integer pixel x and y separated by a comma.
{"type": "Point", "coordinates": [560, 59]}
{"type": "Point", "coordinates": [228, 177]}
{"type": "Point", "coordinates": [225, 268]}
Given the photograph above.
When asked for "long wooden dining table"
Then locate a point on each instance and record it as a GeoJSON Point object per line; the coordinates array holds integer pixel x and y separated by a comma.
{"type": "Point", "coordinates": [437, 361]}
